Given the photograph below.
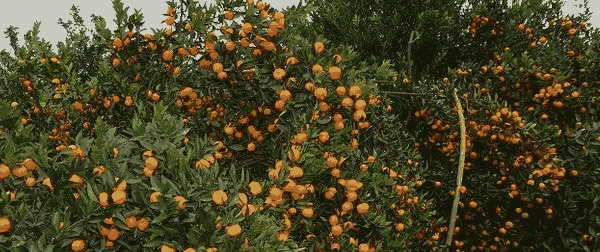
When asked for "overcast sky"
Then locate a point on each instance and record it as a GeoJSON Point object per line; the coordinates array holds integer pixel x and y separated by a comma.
{"type": "Point", "coordinates": [48, 13]}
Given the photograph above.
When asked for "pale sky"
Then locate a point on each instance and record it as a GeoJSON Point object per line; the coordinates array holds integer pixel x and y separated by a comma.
{"type": "Point", "coordinates": [48, 13]}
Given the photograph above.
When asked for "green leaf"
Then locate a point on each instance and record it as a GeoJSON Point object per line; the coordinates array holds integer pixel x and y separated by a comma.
{"type": "Point", "coordinates": [237, 147]}
{"type": "Point", "coordinates": [173, 154]}
{"type": "Point", "coordinates": [173, 186]}
{"type": "Point", "coordinates": [32, 248]}
{"type": "Point", "coordinates": [324, 120]}
{"type": "Point", "coordinates": [233, 200]}
{"type": "Point", "coordinates": [55, 219]}
{"type": "Point", "coordinates": [242, 179]}
{"type": "Point", "coordinates": [90, 192]}
{"type": "Point", "coordinates": [138, 127]}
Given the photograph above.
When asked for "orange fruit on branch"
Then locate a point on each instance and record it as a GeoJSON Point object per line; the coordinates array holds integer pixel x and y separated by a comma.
{"type": "Point", "coordinates": [5, 225]}
{"type": "Point", "coordinates": [78, 245]}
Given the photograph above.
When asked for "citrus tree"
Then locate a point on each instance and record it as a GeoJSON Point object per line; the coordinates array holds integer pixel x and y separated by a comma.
{"type": "Point", "coordinates": [280, 152]}
{"type": "Point", "coordinates": [535, 35]}
{"type": "Point", "coordinates": [157, 123]}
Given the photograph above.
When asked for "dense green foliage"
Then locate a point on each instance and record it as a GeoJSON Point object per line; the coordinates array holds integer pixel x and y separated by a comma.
{"type": "Point", "coordinates": [531, 161]}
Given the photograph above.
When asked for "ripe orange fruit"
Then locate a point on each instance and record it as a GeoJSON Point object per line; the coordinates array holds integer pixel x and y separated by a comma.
{"type": "Point", "coordinates": [332, 162]}
{"type": "Point", "coordinates": [309, 86]}
{"type": "Point", "coordinates": [5, 225]}
{"type": "Point", "coordinates": [113, 234]}
{"type": "Point", "coordinates": [166, 248]}
{"type": "Point", "coordinates": [234, 230]}
{"type": "Point", "coordinates": [30, 181]}
{"type": "Point", "coordinates": [360, 104]}
{"type": "Point", "coordinates": [359, 114]}
{"type": "Point", "coordinates": [181, 200]}
{"type": "Point", "coordinates": [242, 199]}
{"type": "Point", "coordinates": [338, 58]}
{"type": "Point", "coordinates": [4, 171]}
{"type": "Point", "coordinates": [283, 236]}
{"type": "Point", "coordinates": [333, 220]}
{"type": "Point", "coordinates": [347, 102]}
{"type": "Point", "coordinates": [217, 67]}
{"type": "Point", "coordinates": [202, 163]}
{"type": "Point", "coordinates": [103, 199]}
{"type": "Point", "coordinates": [170, 11]}
{"type": "Point", "coordinates": [317, 68]}
{"type": "Point", "coordinates": [319, 47]}
{"type": "Point", "coordinates": [285, 95]}
{"type": "Point", "coordinates": [256, 52]}
{"type": "Point", "coordinates": [335, 72]}
{"type": "Point", "coordinates": [167, 55]}
{"type": "Point", "coordinates": [324, 136]}
{"type": "Point", "coordinates": [119, 197]}
{"type": "Point", "coordinates": [324, 106]}
{"type": "Point", "coordinates": [247, 27]}
{"type": "Point", "coordinates": [151, 163]}
{"type": "Point", "coordinates": [400, 227]}
{"type": "Point", "coordinates": [222, 75]}
{"type": "Point", "coordinates": [330, 192]}
{"type": "Point", "coordinates": [336, 246]}
{"type": "Point", "coordinates": [147, 172]}
{"type": "Point", "coordinates": [110, 244]}
{"type": "Point", "coordinates": [307, 212]}
{"type": "Point", "coordinates": [363, 247]}
{"type": "Point", "coordinates": [219, 197]}
{"type": "Point", "coordinates": [473, 204]}
{"type": "Point", "coordinates": [340, 90]}
{"type": "Point", "coordinates": [255, 188]}
{"type": "Point", "coordinates": [47, 182]}
{"type": "Point", "coordinates": [117, 43]}
{"type": "Point", "coordinates": [364, 167]}
{"type": "Point", "coordinates": [78, 245]}
{"type": "Point", "coordinates": [131, 222]}
{"type": "Point", "coordinates": [347, 206]}
{"type": "Point", "coordinates": [170, 21]}
{"type": "Point", "coordinates": [296, 154]}
{"type": "Point", "coordinates": [20, 172]}
{"type": "Point", "coordinates": [154, 197]}
{"type": "Point", "coordinates": [320, 93]}
{"type": "Point", "coordinates": [279, 105]}
{"type": "Point", "coordinates": [230, 45]}
{"type": "Point", "coordinates": [251, 147]}
{"type": "Point", "coordinates": [268, 46]}
{"type": "Point", "coordinates": [278, 74]}
{"type": "Point", "coordinates": [229, 15]}
{"type": "Point", "coordinates": [142, 224]}
{"type": "Point", "coordinates": [355, 91]}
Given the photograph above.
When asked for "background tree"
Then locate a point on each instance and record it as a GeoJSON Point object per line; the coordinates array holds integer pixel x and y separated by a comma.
{"type": "Point", "coordinates": [381, 31]}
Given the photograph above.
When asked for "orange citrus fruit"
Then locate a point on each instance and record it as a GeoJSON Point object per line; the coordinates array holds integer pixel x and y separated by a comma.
{"type": "Point", "coordinates": [219, 197]}
{"type": "Point", "coordinates": [151, 163]}
{"type": "Point", "coordinates": [234, 230]}
{"type": "Point", "coordinates": [78, 245]}
{"type": "Point", "coordinates": [166, 248]}
{"type": "Point", "coordinates": [319, 47]}
{"type": "Point", "coordinates": [5, 225]}
{"type": "Point", "coordinates": [119, 197]}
